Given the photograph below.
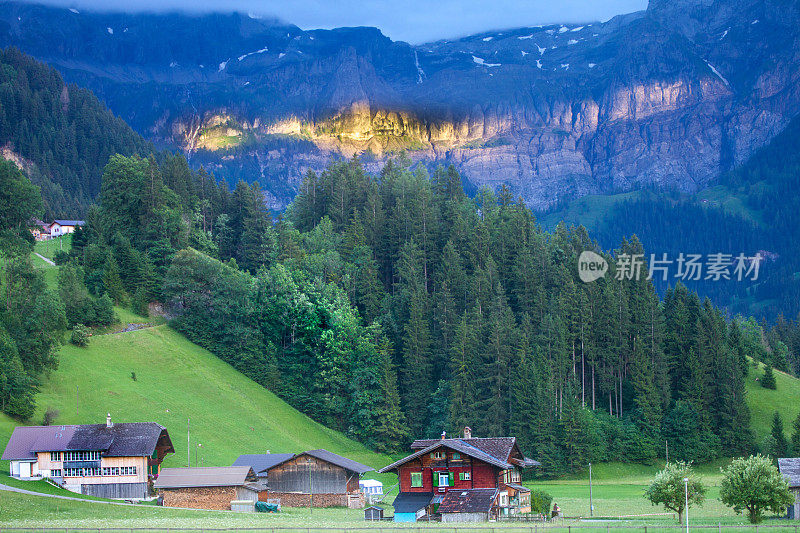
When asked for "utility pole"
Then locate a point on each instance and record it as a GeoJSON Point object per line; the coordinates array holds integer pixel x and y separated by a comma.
{"type": "Point", "coordinates": [686, 494]}
{"type": "Point", "coordinates": [591, 504]}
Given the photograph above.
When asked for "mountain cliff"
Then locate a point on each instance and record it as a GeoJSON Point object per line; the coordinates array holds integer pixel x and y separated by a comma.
{"type": "Point", "coordinates": [670, 96]}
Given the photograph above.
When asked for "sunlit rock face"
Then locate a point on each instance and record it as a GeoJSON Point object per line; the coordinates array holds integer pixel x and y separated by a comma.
{"type": "Point", "coordinates": [668, 97]}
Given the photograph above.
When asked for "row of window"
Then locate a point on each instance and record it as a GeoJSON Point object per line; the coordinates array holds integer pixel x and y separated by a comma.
{"type": "Point", "coordinates": [440, 479]}
{"type": "Point", "coordinates": [105, 471]}
{"type": "Point", "coordinates": [75, 456]}
{"type": "Point", "coordinates": [441, 455]}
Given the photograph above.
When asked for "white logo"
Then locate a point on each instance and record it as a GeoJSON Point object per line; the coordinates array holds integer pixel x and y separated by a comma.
{"type": "Point", "coordinates": [591, 266]}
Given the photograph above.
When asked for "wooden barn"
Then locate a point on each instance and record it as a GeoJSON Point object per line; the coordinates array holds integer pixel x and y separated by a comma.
{"type": "Point", "coordinates": [316, 477]}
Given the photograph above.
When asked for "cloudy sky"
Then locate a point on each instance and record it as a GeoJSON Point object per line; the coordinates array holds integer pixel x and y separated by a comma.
{"type": "Point", "coordinates": [414, 21]}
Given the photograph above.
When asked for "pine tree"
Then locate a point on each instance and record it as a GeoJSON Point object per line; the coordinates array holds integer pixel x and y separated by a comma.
{"type": "Point", "coordinates": [795, 441]}
{"type": "Point", "coordinates": [768, 379]}
{"type": "Point", "coordinates": [779, 438]}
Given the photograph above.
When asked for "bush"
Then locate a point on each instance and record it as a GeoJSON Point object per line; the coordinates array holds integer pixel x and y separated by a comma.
{"type": "Point", "coordinates": [61, 257]}
{"type": "Point", "coordinates": [540, 502]}
{"type": "Point", "coordinates": [50, 416]}
{"type": "Point", "coordinates": [80, 335]}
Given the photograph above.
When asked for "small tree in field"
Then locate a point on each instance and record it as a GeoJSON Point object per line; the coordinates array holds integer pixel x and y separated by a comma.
{"type": "Point", "coordinates": [668, 489]}
{"type": "Point", "coordinates": [755, 485]}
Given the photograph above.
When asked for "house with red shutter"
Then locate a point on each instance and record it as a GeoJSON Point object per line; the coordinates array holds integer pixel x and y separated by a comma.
{"type": "Point", "coordinates": [462, 479]}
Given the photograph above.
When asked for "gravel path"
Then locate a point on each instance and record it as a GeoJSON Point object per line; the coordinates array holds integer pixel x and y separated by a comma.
{"type": "Point", "coordinates": [43, 258]}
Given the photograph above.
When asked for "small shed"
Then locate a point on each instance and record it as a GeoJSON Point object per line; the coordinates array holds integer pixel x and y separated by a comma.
{"type": "Point", "coordinates": [409, 506]}
{"type": "Point", "coordinates": [373, 513]}
{"type": "Point", "coordinates": [473, 505]}
{"type": "Point", "coordinates": [790, 468]}
{"type": "Point", "coordinates": [213, 488]}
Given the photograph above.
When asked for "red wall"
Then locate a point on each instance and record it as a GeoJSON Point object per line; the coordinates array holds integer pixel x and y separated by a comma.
{"type": "Point", "coordinates": [483, 476]}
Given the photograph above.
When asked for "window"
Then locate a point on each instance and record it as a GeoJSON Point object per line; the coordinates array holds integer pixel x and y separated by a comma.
{"type": "Point", "coordinates": [81, 456]}
{"type": "Point", "coordinates": [515, 476]}
{"type": "Point", "coordinates": [416, 479]}
{"type": "Point", "coordinates": [504, 499]}
{"type": "Point", "coordinates": [55, 473]}
{"type": "Point", "coordinates": [438, 455]}
{"type": "Point", "coordinates": [444, 479]}
{"type": "Point", "coordinates": [128, 470]}
{"type": "Point", "coordinates": [464, 476]}
{"type": "Point", "coordinates": [110, 470]}
{"type": "Point", "coordinates": [55, 456]}
{"type": "Point", "coordinates": [456, 456]}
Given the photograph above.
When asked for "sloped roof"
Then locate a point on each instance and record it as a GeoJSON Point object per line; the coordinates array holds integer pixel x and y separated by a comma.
{"type": "Point", "coordinates": [338, 460]}
{"type": "Point", "coordinates": [411, 502]}
{"type": "Point", "coordinates": [120, 440]}
{"type": "Point", "coordinates": [261, 462]}
{"type": "Point", "coordinates": [210, 476]}
{"type": "Point", "coordinates": [69, 222]}
{"type": "Point", "coordinates": [458, 445]}
{"type": "Point", "coordinates": [500, 448]}
{"type": "Point", "coordinates": [468, 501]}
{"type": "Point", "coordinates": [330, 457]}
{"type": "Point", "coordinates": [790, 468]}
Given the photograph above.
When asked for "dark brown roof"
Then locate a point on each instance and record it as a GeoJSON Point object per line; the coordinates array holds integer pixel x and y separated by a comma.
{"type": "Point", "coordinates": [790, 468]}
{"type": "Point", "coordinates": [468, 501]}
{"type": "Point", "coordinates": [120, 440]}
{"type": "Point", "coordinates": [324, 455]}
{"type": "Point", "coordinates": [500, 448]}
{"type": "Point", "coordinates": [211, 476]}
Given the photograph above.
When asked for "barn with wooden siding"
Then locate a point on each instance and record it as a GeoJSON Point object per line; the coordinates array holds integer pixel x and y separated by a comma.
{"type": "Point", "coordinates": [316, 477]}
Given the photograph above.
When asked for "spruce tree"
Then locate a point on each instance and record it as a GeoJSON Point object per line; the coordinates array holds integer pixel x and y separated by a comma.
{"type": "Point", "coordinates": [768, 379]}
{"type": "Point", "coordinates": [795, 440]}
{"type": "Point", "coordinates": [779, 438]}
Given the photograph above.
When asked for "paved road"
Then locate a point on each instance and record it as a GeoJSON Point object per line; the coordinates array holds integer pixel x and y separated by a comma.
{"type": "Point", "coordinates": [46, 260]}
{"type": "Point", "coordinates": [32, 493]}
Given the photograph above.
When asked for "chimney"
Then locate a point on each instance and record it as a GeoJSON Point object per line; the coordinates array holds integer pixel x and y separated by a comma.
{"type": "Point", "coordinates": [444, 435]}
{"type": "Point", "coordinates": [108, 421]}
{"type": "Point", "coordinates": [467, 433]}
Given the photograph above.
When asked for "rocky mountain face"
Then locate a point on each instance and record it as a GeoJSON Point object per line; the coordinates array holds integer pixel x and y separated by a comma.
{"type": "Point", "coordinates": [668, 97]}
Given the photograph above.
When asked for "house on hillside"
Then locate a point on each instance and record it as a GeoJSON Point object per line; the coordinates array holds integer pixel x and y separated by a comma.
{"type": "Point", "coordinates": [461, 479]}
{"type": "Point", "coordinates": [316, 477]}
{"type": "Point", "coordinates": [790, 468]}
{"type": "Point", "coordinates": [40, 230]}
{"type": "Point", "coordinates": [107, 460]}
{"type": "Point", "coordinates": [64, 227]}
{"type": "Point", "coordinates": [214, 488]}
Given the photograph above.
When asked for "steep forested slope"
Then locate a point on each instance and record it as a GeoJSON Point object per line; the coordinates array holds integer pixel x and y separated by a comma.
{"type": "Point", "coordinates": [60, 134]}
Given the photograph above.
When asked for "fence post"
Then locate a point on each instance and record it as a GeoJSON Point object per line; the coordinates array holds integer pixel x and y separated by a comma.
{"type": "Point", "coordinates": [645, 529]}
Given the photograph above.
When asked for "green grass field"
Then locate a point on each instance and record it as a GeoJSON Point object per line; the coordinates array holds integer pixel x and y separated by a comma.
{"type": "Point", "coordinates": [176, 382]}
{"type": "Point", "coordinates": [587, 211]}
{"type": "Point", "coordinates": [764, 402]}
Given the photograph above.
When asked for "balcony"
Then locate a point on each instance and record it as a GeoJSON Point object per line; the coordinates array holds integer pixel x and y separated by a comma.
{"type": "Point", "coordinates": [82, 464]}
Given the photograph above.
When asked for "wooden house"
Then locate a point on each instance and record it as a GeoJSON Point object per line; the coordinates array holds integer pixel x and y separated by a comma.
{"type": "Point", "coordinates": [316, 477]}
{"type": "Point", "coordinates": [448, 471]}
{"type": "Point", "coordinates": [790, 468]}
{"type": "Point", "coordinates": [108, 460]}
{"type": "Point", "coordinates": [213, 488]}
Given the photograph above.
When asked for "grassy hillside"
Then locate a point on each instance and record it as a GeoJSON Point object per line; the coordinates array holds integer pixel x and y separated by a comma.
{"type": "Point", "coordinates": [764, 402]}
{"type": "Point", "coordinates": [176, 380]}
